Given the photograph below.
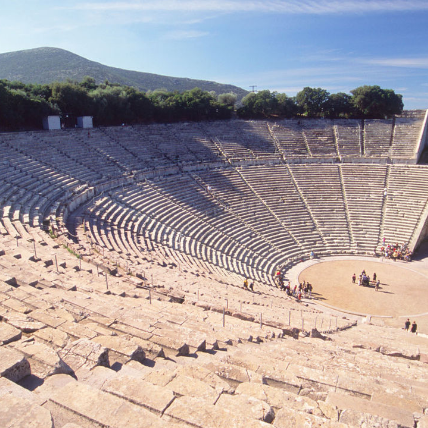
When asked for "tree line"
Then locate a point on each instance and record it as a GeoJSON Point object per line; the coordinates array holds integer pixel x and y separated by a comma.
{"type": "Point", "coordinates": [364, 102]}
{"type": "Point", "coordinates": [23, 106]}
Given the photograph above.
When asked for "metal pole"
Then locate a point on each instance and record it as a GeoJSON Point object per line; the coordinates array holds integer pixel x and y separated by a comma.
{"type": "Point", "coordinates": [35, 252]}
{"type": "Point", "coordinates": [106, 281]}
{"type": "Point", "coordinates": [150, 296]}
{"type": "Point", "coordinates": [289, 317]}
{"type": "Point", "coordinates": [224, 318]}
{"type": "Point", "coordinates": [56, 264]}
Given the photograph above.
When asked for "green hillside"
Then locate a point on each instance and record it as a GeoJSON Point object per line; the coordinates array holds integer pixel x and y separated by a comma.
{"type": "Point", "coordinates": [47, 65]}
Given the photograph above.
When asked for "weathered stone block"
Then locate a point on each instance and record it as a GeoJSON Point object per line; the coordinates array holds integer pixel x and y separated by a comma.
{"type": "Point", "coordinates": [13, 365]}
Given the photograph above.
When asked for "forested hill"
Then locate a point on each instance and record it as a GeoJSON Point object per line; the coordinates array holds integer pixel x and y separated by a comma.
{"type": "Point", "coordinates": [47, 65]}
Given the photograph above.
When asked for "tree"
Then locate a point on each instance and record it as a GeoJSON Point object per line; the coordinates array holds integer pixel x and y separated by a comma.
{"type": "Point", "coordinates": [286, 106]}
{"type": "Point", "coordinates": [313, 101]}
{"type": "Point", "coordinates": [88, 83]}
{"type": "Point", "coordinates": [374, 102]}
{"type": "Point", "coordinates": [227, 99]}
{"type": "Point", "coordinates": [259, 105]}
{"type": "Point", "coordinates": [340, 105]}
{"type": "Point", "coordinates": [71, 99]}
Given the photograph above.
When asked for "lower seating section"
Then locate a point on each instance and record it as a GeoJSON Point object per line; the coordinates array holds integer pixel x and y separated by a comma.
{"type": "Point", "coordinates": [275, 186]}
{"type": "Point", "coordinates": [364, 191]}
{"type": "Point", "coordinates": [78, 350]}
{"type": "Point", "coordinates": [321, 188]}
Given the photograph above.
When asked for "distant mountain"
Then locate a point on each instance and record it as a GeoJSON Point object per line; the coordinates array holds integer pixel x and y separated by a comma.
{"type": "Point", "coordinates": [47, 65]}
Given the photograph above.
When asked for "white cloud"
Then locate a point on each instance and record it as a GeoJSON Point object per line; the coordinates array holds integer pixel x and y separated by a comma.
{"type": "Point", "coordinates": [399, 62]}
{"type": "Point", "coordinates": [269, 6]}
{"type": "Point", "coordinates": [183, 35]}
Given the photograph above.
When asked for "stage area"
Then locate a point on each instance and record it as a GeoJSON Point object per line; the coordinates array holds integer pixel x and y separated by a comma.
{"type": "Point", "coordinates": [403, 291]}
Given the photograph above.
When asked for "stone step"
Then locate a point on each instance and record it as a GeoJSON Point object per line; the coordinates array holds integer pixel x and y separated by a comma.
{"type": "Point", "coordinates": [354, 410]}
{"type": "Point", "coordinates": [19, 412]}
{"type": "Point", "coordinates": [13, 364]}
{"type": "Point", "coordinates": [102, 408]}
{"type": "Point", "coordinates": [201, 414]}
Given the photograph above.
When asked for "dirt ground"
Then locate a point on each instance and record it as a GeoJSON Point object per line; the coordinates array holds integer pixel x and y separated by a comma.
{"type": "Point", "coordinates": [403, 290]}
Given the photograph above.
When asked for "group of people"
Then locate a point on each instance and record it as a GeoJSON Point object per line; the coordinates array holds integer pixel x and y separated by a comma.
{"type": "Point", "coordinates": [396, 252]}
{"type": "Point", "coordinates": [249, 286]}
{"type": "Point", "coordinates": [304, 289]}
{"type": "Point", "coordinates": [413, 328]}
{"type": "Point", "coordinates": [365, 280]}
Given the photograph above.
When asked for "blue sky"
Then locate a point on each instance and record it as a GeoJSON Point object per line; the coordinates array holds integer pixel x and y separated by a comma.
{"type": "Point", "coordinates": [280, 45]}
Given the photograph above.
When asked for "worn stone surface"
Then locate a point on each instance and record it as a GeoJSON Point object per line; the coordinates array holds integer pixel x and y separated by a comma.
{"type": "Point", "coordinates": [84, 353]}
{"type": "Point", "coordinates": [358, 407]}
{"type": "Point", "coordinates": [13, 364]}
{"type": "Point", "coordinates": [52, 384]}
{"type": "Point", "coordinates": [18, 412]}
{"type": "Point", "coordinates": [103, 408]}
{"type": "Point", "coordinates": [290, 418]}
{"type": "Point", "coordinates": [184, 385]}
{"type": "Point", "coordinates": [8, 333]}
{"type": "Point", "coordinates": [355, 418]}
{"type": "Point", "coordinates": [52, 336]}
{"type": "Point", "coordinates": [181, 348]}
{"type": "Point", "coordinates": [423, 422]}
{"type": "Point", "coordinates": [151, 349]}
{"type": "Point", "coordinates": [201, 414]}
{"type": "Point", "coordinates": [277, 397]}
{"type": "Point", "coordinates": [153, 397]}
{"type": "Point", "coordinates": [97, 376]}
{"type": "Point", "coordinates": [44, 360]}
{"type": "Point", "coordinates": [122, 345]}
{"type": "Point", "coordinates": [205, 375]}
{"type": "Point", "coordinates": [247, 406]}
{"type": "Point", "coordinates": [16, 305]}
{"type": "Point", "coordinates": [404, 402]}
{"type": "Point", "coordinates": [77, 330]}
{"type": "Point", "coordinates": [48, 317]}
{"type": "Point", "coordinates": [234, 373]}
{"type": "Point", "coordinates": [9, 387]}
{"type": "Point", "coordinates": [23, 322]}
{"type": "Point", "coordinates": [159, 377]}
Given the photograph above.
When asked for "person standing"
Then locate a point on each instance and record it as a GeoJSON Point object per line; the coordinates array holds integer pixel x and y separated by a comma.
{"type": "Point", "coordinates": [407, 325]}
{"type": "Point", "coordinates": [414, 327]}
{"type": "Point", "coordinates": [354, 277]}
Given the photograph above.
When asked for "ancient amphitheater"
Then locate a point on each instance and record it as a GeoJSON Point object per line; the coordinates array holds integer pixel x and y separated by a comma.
{"type": "Point", "coordinates": [123, 252]}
